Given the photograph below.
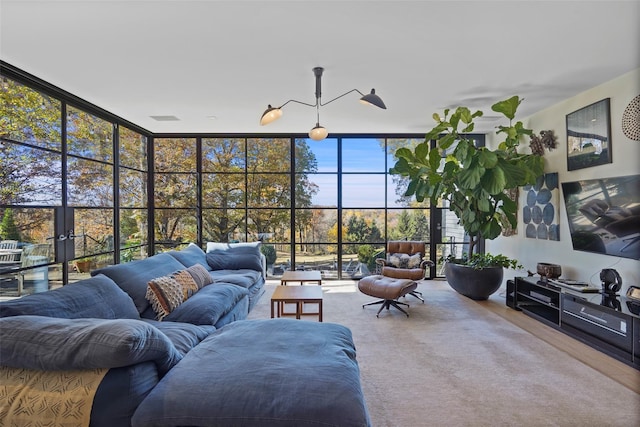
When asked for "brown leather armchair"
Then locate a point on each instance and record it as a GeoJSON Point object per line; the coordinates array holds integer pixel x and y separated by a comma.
{"type": "Point", "coordinates": [405, 260]}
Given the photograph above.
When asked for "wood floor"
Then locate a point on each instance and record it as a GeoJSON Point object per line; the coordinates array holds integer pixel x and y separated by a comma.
{"type": "Point", "coordinates": [614, 369]}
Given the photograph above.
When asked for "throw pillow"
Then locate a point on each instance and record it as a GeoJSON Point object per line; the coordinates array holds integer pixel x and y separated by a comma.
{"type": "Point", "coordinates": [201, 275]}
{"type": "Point", "coordinates": [188, 283]}
{"type": "Point", "coordinates": [235, 259]}
{"type": "Point", "coordinates": [213, 246]}
{"type": "Point", "coordinates": [164, 294]}
{"type": "Point", "coordinates": [399, 260]}
{"type": "Point", "coordinates": [414, 260]}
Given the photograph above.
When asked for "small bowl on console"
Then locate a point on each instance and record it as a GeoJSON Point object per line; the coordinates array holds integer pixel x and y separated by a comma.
{"type": "Point", "coordinates": [549, 271]}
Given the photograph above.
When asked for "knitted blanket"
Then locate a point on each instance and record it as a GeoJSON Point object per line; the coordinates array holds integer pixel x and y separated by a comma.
{"type": "Point", "coordinates": [51, 398]}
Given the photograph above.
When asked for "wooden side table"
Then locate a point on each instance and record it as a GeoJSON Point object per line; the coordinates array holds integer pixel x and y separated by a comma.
{"type": "Point", "coordinates": [298, 295]}
{"type": "Point", "coordinates": [301, 276]}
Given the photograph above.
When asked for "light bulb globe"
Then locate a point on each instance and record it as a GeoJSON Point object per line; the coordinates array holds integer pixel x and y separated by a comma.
{"type": "Point", "coordinates": [318, 133]}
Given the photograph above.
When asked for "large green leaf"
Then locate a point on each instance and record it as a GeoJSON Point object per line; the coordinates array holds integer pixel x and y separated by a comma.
{"type": "Point", "coordinates": [462, 152]}
{"type": "Point", "coordinates": [491, 229]}
{"type": "Point", "coordinates": [404, 153]}
{"type": "Point", "coordinates": [484, 204]}
{"type": "Point", "coordinates": [401, 167]}
{"type": "Point", "coordinates": [487, 159]}
{"type": "Point", "coordinates": [470, 177]}
{"type": "Point", "coordinates": [434, 159]}
{"type": "Point", "coordinates": [422, 150]}
{"type": "Point", "coordinates": [515, 174]}
{"type": "Point", "coordinates": [436, 131]}
{"type": "Point", "coordinates": [421, 189]}
{"type": "Point", "coordinates": [508, 107]}
{"type": "Point", "coordinates": [411, 188]}
{"type": "Point", "coordinates": [494, 181]}
{"type": "Point", "coordinates": [508, 205]}
{"type": "Point", "coordinates": [465, 115]}
{"type": "Point", "coordinates": [446, 141]}
{"type": "Point", "coordinates": [455, 119]}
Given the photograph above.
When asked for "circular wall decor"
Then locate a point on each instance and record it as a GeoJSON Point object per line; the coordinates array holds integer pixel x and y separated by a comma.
{"type": "Point", "coordinates": [631, 119]}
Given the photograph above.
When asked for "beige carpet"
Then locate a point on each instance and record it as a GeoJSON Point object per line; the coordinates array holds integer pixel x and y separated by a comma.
{"type": "Point", "coordinates": [455, 363]}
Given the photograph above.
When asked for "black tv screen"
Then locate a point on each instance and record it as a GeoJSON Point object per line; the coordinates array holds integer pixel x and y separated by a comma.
{"type": "Point", "coordinates": [604, 215]}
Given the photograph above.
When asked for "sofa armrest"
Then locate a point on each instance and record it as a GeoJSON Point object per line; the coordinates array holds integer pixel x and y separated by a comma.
{"type": "Point", "coordinates": [263, 260]}
{"type": "Point", "coordinates": [426, 263]}
{"type": "Point", "coordinates": [382, 262]}
{"type": "Point", "coordinates": [49, 343]}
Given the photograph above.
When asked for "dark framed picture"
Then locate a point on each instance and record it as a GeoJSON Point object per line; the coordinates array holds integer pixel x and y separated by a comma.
{"type": "Point", "coordinates": [589, 136]}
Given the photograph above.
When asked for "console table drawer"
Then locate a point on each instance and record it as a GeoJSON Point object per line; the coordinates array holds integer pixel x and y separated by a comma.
{"type": "Point", "coordinates": [610, 327]}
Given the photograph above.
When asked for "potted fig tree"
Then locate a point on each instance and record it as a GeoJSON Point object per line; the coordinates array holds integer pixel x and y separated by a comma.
{"type": "Point", "coordinates": [474, 181]}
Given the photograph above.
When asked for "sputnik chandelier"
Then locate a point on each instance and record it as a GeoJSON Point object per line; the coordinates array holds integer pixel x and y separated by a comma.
{"type": "Point", "coordinates": [318, 133]}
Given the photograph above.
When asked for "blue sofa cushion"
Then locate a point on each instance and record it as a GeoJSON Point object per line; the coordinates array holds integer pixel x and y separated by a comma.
{"type": "Point", "coordinates": [97, 297]}
{"type": "Point", "coordinates": [47, 343]}
{"type": "Point", "coordinates": [190, 255]}
{"type": "Point", "coordinates": [184, 336]}
{"type": "Point", "coordinates": [235, 259]}
{"type": "Point", "coordinates": [255, 373]}
{"type": "Point", "coordinates": [243, 277]}
{"type": "Point", "coordinates": [133, 276]}
{"type": "Point", "coordinates": [209, 305]}
{"type": "Point", "coordinates": [239, 312]}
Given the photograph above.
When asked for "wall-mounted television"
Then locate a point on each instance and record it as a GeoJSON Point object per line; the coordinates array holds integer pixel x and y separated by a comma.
{"type": "Point", "coordinates": [604, 215]}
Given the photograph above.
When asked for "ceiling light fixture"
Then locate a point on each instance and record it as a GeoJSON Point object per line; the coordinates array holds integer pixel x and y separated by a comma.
{"type": "Point", "coordinates": [318, 133]}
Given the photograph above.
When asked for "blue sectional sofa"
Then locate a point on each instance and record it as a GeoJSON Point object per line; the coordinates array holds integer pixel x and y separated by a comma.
{"type": "Point", "coordinates": [202, 365]}
{"type": "Point", "coordinates": [234, 294]}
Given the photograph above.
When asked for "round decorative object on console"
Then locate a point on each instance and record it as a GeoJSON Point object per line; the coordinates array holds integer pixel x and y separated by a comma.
{"type": "Point", "coordinates": [631, 119]}
{"type": "Point", "coordinates": [550, 271]}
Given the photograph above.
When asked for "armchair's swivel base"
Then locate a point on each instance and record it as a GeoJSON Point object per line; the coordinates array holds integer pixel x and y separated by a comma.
{"type": "Point", "coordinates": [388, 289]}
{"type": "Point", "coordinates": [417, 295]}
{"type": "Point", "coordinates": [386, 303]}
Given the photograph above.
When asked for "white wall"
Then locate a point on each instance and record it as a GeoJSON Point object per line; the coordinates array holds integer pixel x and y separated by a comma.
{"type": "Point", "coordinates": [578, 265]}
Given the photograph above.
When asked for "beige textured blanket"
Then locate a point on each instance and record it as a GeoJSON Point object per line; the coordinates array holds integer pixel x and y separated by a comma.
{"type": "Point", "coordinates": [51, 398]}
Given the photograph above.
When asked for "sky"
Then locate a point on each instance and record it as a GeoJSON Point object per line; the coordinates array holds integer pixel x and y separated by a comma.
{"type": "Point", "coordinates": [361, 158]}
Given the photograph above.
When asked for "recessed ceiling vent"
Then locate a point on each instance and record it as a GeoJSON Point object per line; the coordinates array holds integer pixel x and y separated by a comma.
{"type": "Point", "coordinates": [488, 118]}
{"type": "Point", "coordinates": [165, 118]}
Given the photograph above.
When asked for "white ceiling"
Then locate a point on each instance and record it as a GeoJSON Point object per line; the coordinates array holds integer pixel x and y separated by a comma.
{"type": "Point", "coordinates": [217, 64]}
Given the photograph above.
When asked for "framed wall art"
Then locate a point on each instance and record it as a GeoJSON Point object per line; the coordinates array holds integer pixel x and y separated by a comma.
{"type": "Point", "coordinates": [589, 136]}
{"type": "Point", "coordinates": [540, 208]}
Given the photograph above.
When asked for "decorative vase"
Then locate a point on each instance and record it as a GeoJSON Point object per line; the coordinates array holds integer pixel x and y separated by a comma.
{"type": "Point", "coordinates": [549, 271]}
{"type": "Point", "coordinates": [83, 266]}
{"type": "Point", "coordinates": [477, 284]}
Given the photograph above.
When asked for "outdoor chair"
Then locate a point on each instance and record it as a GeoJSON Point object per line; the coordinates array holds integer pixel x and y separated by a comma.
{"type": "Point", "coordinates": [405, 260]}
{"type": "Point", "coordinates": [33, 255]}
{"type": "Point", "coordinates": [9, 254]}
{"type": "Point", "coordinates": [8, 244]}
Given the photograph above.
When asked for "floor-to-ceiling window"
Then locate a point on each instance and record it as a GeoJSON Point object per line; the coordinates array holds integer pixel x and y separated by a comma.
{"type": "Point", "coordinates": [64, 197]}
{"type": "Point", "coordinates": [175, 192]}
{"type": "Point", "coordinates": [92, 189]}
{"type": "Point", "coordinates": [316, 206]}
{"type": "Point", "coordinates": [31, 187]}
{"type": "Point", "coordinates": [133, 214]}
